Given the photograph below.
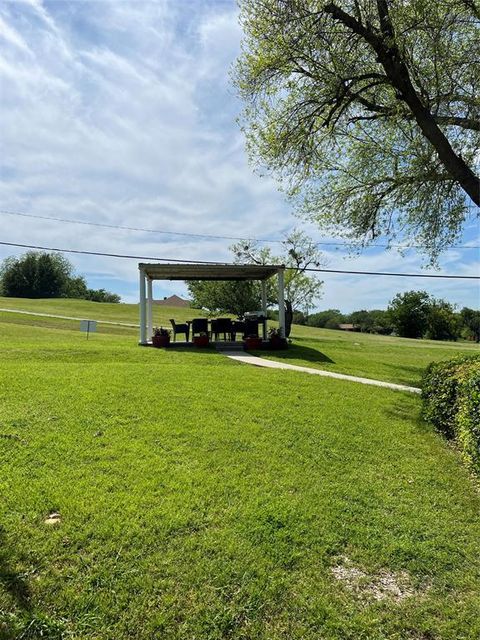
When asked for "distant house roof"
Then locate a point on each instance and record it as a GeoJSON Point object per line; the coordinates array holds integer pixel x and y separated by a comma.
{"type": "Point", "coordinates": [172, 301]}
{"type": "Point", "coordinates": [349, 327]}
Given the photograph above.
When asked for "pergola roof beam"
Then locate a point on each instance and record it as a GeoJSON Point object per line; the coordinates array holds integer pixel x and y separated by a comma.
{"type": "Point", "coordinates": [210, 271]}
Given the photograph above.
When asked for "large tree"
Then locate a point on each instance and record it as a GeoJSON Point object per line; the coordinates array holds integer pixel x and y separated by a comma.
{"type": "Point", "coordinates": [368, 111]}
{"type": "Point", "coordinates": [442, 322]}
{"type": "Point", "coordinates": [39, 274]}
{"type": "Point", "coordinates": [470, 319]}
{"type": "Point", "coordinates": [409, 313]}
{"type": "Point", "coordinates": [36, 275]}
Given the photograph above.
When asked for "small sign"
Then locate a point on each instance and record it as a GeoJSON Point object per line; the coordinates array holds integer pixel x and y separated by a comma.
{"type": "Point", "coordinates": [88, 326]}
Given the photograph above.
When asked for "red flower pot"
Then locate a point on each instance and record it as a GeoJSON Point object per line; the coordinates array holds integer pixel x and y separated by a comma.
{"type": "Point", "coordinates": [252, 343]}
{"type": "Point", "coordinates": [200, 341]}
{"type": "Point", "coordinates": [277, 343]}
{"type": "Point", "coordinates": [160, 341]}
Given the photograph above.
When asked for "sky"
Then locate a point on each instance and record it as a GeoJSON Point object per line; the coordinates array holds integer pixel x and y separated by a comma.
{"type": "Point", "coordinates": [123, 113]}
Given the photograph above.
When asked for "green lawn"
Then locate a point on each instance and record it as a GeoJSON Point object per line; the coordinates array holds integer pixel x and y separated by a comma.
{"type": "Point", "coordinates": [380, 357]}
{"type": "Point", "coordinates": [387, 358]}
{"type": "Point", "coordinates": [111, 312]}
{"type": "Point", "coordinates": [204, 499]}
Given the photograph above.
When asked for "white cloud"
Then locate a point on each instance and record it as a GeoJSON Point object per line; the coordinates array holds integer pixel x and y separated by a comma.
{"type": "Point", "coordinates": [13, 37]}
{"type": "Point", "coordinates": [122, 113]}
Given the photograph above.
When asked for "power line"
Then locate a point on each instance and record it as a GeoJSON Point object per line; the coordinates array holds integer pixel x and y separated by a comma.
{"type": "Point", "coordinates": [125, 228]}
{"type": "Point", "coordinates": [108, 255]}
{"type": "Point", "coordinates": [207, 235]}
{"type": "Point", "coordinates": [398, 275]}
{"type": "Point", "coordinates": [210, 262]}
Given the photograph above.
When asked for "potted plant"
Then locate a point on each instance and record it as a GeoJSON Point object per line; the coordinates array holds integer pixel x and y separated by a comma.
{"type": "Point", "coordinates": [161, 337]}
{"type": "Point", "coordinates": [275, 340]}
{"type": "Point", "coordinates": [253, 342]}
{"type": "Point", "coordinates": [201, 340]}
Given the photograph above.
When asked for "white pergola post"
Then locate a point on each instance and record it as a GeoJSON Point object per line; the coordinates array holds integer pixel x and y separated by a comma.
{"type": "Point", "coordinates": [281, 302]}
{"type": "Point", "coordinates": [143, 308]}
{"type": "Point", "coordinates": [264, 307]}
{"type": "Point", "coordinates": [149, 309]}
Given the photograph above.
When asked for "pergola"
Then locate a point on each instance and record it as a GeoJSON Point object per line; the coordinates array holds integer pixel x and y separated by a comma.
{"type": "Point", "coordinates": [184, 271]}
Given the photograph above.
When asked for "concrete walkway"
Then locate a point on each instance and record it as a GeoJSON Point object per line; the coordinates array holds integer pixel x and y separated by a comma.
{"type": "Point", "coordinates": [247, 358]}
{"type": "Point", "coordinates": [51, 315]}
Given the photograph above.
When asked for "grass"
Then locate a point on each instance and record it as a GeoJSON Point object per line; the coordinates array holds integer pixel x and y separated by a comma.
{"type": "Point", "coordinates": [398, 360]}
{"type": "Point", "coordinates": [379, 357]}
{"type": "Point", "coordinates": [204, 499]}
{"type": "Point", "coordinates": [128, 313]}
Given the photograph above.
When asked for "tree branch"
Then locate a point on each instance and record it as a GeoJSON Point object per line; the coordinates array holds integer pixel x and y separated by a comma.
{"type": "Point", "coordinates": [383, 111]}
{"type": "Point", "coordinates": [472, 6]}
{"type": "Point", "coordinates": [390, 58]}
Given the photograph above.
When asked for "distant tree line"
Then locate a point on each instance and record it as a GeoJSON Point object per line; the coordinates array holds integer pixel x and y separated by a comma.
{"type": "Point", "coordinates": [38, 274]}
{"type": "Point", "coordinates": [414, 314]}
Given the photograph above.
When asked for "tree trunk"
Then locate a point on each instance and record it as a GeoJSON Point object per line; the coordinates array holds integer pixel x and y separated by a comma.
{"type": "Point", "coordinates": [397, 72]}
{"type": "Point", "coordinates": [288, 317]}
{"type": "Point", "coordinates": [390, 58]}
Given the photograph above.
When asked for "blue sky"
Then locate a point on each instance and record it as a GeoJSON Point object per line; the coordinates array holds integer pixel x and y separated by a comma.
{"type": "Point", "coordinates": [123, 113]}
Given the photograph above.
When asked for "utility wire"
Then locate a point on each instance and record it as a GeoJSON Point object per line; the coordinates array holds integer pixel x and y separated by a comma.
{"type": "Point", "coordinates": [206, 235]}
{"type": "Point", "coordinates": [125, 228]}
{"type": "Point", "coordinates": [208, 262]}
{"type": "Point", "coordinates": [110, 255]}
{"type": "Point", "coordinates": [398, 275]}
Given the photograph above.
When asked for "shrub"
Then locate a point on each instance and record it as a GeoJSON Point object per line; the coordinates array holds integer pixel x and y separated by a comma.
{"type": "Point", "coordinates": [451, 402]}
{"type": "Point", "coordinates": [468, 418]}
{"type": "Point", "coordinates": [321, 318]}
{"type": "Point", "coordinates": [101, 295]}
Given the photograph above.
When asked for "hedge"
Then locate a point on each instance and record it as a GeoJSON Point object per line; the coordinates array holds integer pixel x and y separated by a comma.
{"type": "Point", "coordinates": [451, 402]}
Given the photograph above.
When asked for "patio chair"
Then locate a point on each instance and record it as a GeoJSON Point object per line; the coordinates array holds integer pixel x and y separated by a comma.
{"type": "Point", "coordinates": [238, 326]}
{"type": "Point", "coordinates": [251, 327]}
{"type": "Point", "coordinates": [199, 325]}
{"type": "Point", "coordinates": [222, 326]}
{"type": "Point", "coordinates": [179, 328]}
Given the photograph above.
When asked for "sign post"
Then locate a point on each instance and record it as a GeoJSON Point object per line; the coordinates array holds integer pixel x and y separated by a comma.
{"type": "Point", "coordinates": [87, 326]}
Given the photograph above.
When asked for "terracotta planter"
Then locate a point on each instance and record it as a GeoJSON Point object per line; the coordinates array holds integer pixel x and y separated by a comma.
{"type": "Point", "coordinates": [160, 341]}
{"type": "Point", "coordinates": [277, 343]}
{"type": "Point", "coordinates": [200, 341]}
{"type": "Point", "coordinates": [253, 343]}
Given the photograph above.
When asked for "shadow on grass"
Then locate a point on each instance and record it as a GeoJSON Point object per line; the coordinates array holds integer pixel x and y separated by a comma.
{"type": "Point", "coordinates": [23, 621]}
{"type": "Point", "coordinates": [187, 348]}
{"type": "Point", "coordinates": [408, 411]}
{"type": "Point", "coordinates": [13, 583]}
{"type": "Point", "coordinates": [296, 352]}
{"type": "Point", "coordinates": [409, 375]}
{"type": "Point", "coordinates": [13, 623]}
